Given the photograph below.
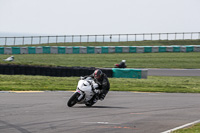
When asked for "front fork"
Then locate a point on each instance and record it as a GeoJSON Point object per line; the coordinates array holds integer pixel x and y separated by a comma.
{"type": "Point", "coordinates": [81, 95]}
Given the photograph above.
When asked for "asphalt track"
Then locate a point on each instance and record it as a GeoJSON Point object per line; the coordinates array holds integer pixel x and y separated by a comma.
{"type": "Point", "coordinates": [173, 72]}
{"type": "Point", "coordinates": [120, 112]}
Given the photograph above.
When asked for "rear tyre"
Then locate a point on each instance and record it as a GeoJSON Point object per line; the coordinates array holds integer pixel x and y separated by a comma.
{"type": "Point", "coordinates": [73, 99]}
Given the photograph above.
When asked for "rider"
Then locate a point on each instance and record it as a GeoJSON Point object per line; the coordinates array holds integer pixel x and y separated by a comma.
{"type": "Point", "coordinates": [121, 65]}
{"type": "Point", "coordinates": [101, 79]}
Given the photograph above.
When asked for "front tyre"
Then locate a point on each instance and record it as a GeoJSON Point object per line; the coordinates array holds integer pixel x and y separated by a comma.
{"type": "Point", "coordinates": [73, 99]}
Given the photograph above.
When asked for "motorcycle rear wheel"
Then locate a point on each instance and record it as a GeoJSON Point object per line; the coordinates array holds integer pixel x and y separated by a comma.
{"type": "Point", "coordinates": [73, 99]}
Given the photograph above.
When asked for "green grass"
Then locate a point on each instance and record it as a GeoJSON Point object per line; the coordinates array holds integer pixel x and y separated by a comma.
{"type": "Point", "coordinates": [125, 43]}
{"type": "Point", "coordinates": [133, 60]}
{"type": "Point", "coordinates": [192, 129]}
{"type": "Point", "coordinates": [152, 84]}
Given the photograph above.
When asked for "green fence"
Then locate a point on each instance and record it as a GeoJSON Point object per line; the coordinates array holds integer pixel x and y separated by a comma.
{"type": "Point", "coordinates": [189, 48]}
{"type": "Point", "coordinates": [31, 50]}
{"type": "Point", "coordinates": [46, 50]}
{"type": "Point", "coordinates": [15, 50]}
{"type": "Point", "coordinates": [118, 49]}
{"type": "Point", "coordinates": [132, 49]}
{"type": "Point", "coordinates": [61, 50]}
{"type": "Point", "coordinates": [104, 49]}
{"type": "Point", "coordinates": [76, 50]}
{"type": "Point", "coordinates": [176, 49]}
{"type": "Point", "coordinates": [1, 50]}
{"type": "Point", "coordinates": [90, 50]}
{"type": "Point", "coordinates": [162, 49]}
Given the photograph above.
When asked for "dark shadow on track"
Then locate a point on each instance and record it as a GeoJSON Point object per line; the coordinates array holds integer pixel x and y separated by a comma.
{"type": "Point", "coordinates": [100, 107]}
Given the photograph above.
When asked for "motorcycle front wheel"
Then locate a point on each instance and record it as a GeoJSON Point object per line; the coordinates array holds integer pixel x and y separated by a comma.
{"type": "Point", "coordinates": [73, 99]}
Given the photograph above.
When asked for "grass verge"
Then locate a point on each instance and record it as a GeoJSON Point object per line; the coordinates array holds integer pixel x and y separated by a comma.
{"type": "Point", "coordinates": [192, 129]}
{"type": "Point", "coordinates": [133, 60]}
{"type": "Point", "coordinates": [152, 84]}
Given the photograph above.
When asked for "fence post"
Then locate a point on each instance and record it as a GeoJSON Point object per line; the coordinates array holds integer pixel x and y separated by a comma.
{"type": "Point", "coordinates": [159, 36]}
{"type": "Point", "coordinates": [199, 35]}
{"type": "Point", "coordinates": [127, 38]}
{"type": "Point", "coordinates": [72, 38]}
{"type": "Point", "coordinates": [56, 39]}
{"type": "Point", "coordinates": [183, 36]}
{"type": "Point", "coordinates": [143, 37]}
{"type": "Point", "coordinates": [48, 40]}
{"type": "Point", "coordinates": [14, 41]}
{"type": "Point", "coordinates": [23, 40]}
{"type": "Point", "coordinates": [175, 36]}
{"type": "Point", "coordinates": [39, 39]}
{"type": "Point", "coordinates": [5, 41]}
{"type": "Point", "coordinates": [135, 37]}
{"type": "Point", "coordinates": [119, 37]}
{"type": "Point", "coordinates": [64, 39]}
{"type": "Point", "coordinates": [80, 39]}
{"type": "Point", "coordinates": [167, 37]}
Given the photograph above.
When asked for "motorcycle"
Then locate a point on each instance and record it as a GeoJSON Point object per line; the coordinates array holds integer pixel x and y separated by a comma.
{"type": "Point", "coordinates": [86, 89]}
{"type": "Point", "coordinates": [121, 64]}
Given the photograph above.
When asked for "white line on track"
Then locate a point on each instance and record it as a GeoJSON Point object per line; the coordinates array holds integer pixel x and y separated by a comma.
{"type": "Point", "coordinates": [180, 127]}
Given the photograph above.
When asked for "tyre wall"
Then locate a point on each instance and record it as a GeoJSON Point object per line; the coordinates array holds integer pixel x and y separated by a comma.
{"type": "Point", "coordinates": [49, 71]}
{"type": "Point", "coordinates": [69, 71]}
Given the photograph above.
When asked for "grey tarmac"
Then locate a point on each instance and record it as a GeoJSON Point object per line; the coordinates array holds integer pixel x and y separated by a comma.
{"type": "Point", "coordinates": [120, 112]}
{"type": "Point", "coordinates": [173, 72]}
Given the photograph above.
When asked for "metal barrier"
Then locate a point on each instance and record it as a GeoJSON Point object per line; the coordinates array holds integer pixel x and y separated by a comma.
{"type": "Point", "coordinates": [30, 40]}
{"type": "Point", "coordinates": [98, 49]}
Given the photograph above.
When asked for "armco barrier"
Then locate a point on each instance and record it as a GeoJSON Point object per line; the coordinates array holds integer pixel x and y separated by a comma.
{"type": "Point", "coordinates": [83, 50]}
{"type": "Point", "coordinates": [7, 50]}
{"type": "Point", "coordinates": [196, 48]}
{"type": "Point", "coordinates": [54, 50]}
{"type": "Point", "coordinates": [69, 50]}
{"type": "Point", "coordinates": [97, 49]}
{"type": "Point", "coordinates": [24, 50]}
{"type": "Point", "coordinates": [155, 49]}
{"type": "Point", "coordinates": [39, 50]}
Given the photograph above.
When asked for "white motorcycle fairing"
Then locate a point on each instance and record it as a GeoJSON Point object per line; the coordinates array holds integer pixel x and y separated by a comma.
{"type": "Point", "coordinates": [85, 91]}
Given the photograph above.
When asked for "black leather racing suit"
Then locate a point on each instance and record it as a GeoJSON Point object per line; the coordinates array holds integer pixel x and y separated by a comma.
{"type": "Point", "coordinates": [103, 83]}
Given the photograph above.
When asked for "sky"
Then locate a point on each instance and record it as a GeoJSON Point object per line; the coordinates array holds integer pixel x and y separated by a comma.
{"type": "Point", "coordinates": [88, 17]}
